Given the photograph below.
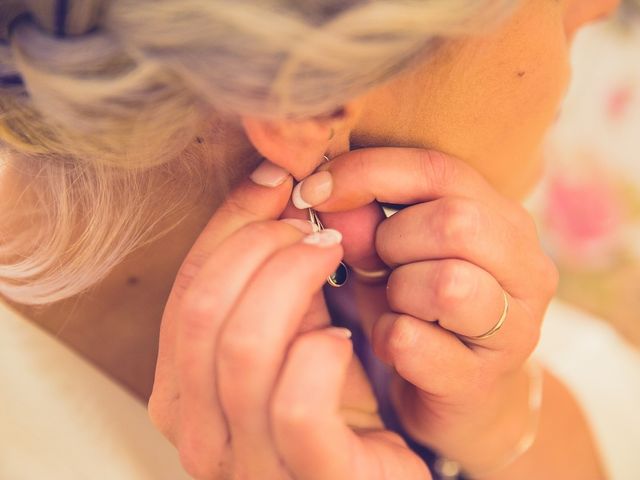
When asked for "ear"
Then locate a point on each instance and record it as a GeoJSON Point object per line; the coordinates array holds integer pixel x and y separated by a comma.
{"type": "Point", "coordinates": [298, 145]}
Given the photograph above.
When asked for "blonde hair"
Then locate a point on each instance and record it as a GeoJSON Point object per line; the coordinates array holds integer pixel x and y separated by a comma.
{"type": "Point", "coordinates": [116, 97]}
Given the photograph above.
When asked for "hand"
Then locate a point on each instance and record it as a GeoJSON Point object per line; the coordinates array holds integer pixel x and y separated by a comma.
{"type": "Point", "coordinates": [249, 380]}
{"type": "Point", "coordinates": [453, 253]}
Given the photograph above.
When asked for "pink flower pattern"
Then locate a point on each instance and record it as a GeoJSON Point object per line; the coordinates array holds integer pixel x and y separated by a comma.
{"type": "Point", "coordinates": [588, 207]}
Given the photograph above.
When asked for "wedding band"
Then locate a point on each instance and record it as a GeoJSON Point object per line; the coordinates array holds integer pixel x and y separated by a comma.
{"type": "Point", "coordinates": [370, 276]}
{"type": "Point", "coordinates": [498, 325]}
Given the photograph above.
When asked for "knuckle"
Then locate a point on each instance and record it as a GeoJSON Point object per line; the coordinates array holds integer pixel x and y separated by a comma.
{"type": "Point", "coordinates": [547, 277]}
{"type": "Point", "coordinates": [241, 351]}
{"type": "Point", "coordinates": [292, 416]}
{"type": "Point", "coordinates": [159, 415]}
{"type": "Point", "coordinates": [234, 206]}
{"type": "Point", "coordinates": [382, 244]}
{"type": "Point", "coordinates": [459, 222]}
{"type": "Point", "coordinates": [197, 312]}
{"type": "Point", "coordinates": [436, 169]}
{"type": "Point", "coordinates": [454, 284]}
{"type": "Point", "coordinates": [359, 162]}
{"type": "Point", "coordinates": [188, 272]}
{"type": "Point", "coordinates": [401, 339]}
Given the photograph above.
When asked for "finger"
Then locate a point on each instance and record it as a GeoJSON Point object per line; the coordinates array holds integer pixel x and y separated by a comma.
{"type": "Point", "coordinates": [358, 228]}
{"type": "Point", "coordinates": [463, 299]}
{"type": "Point", "coordinates": [426, 355]}
{"type": "Point", "coordinates": [255, 338]}
{"type": "Point", "coordinates": [211, 296]}
{"type": "Point", "coordinates": [310, 434]}
{"type": "Point", "coordinates": [406, 176]}
{"type": "Point", "coordinates": [291, 211]}
{"type": "Point", "coordinates": [249, 203]}
{"type": "Point", "coordinates": [455, 227]}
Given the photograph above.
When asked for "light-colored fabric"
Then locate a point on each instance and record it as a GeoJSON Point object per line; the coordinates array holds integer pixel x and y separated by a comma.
{"type": "Point", "coordinates": [603, 372]}
{"type": "Point", "coordinates": [63, 419]}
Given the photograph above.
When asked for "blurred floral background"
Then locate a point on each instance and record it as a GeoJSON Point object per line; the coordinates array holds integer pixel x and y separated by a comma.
{"type": "Point", "coordinates": [588, 206]}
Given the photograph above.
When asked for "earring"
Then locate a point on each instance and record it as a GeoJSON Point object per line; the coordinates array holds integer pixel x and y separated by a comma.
{"type": "Point", "coordinates": [338, 278]}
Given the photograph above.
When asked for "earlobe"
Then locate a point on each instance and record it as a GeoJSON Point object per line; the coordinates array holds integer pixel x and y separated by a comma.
{"type": "Point", "coordinates": [295, 145]}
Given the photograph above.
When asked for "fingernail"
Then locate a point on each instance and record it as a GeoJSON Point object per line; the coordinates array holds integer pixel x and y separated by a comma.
{"type": "Point", "coordinates": [305, 226]}
{"type": "Point", "coordinates": [339, 332]}
{"type": "Point", "coordinates": [269, 174]}
{"type": "Point", "coordinates": [324, 238]}
{"type": "Point", "coordinates": [312, 190]}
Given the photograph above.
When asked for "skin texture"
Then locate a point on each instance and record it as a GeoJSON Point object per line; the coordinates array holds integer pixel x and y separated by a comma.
{"type": "Point", "coordinates": [487, 101]}
{"type": "Point", "coordinates": [484, 101]}
{"type": "Point", "coordinates": [265, 416]}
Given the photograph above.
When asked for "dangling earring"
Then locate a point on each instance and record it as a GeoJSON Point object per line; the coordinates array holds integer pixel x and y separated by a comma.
{"type": "Point", "coordinates": [341, 275]}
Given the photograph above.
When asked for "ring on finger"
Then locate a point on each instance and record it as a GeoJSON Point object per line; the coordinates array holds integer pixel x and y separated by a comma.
{"type": "Point", "coordinates": [496, 328]}
{"type": "Point", "coordinates": [370, 276]}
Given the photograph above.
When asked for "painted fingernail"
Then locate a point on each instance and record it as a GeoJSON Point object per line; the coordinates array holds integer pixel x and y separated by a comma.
{"type": "Point", "coordinates": [339, 332]}
{"type": "Point", "coordinates": [324, 238]}
{"type": "Point", "coordinates": [305, 226]}
{"type": "Point", "coordinates": [269, 174]}
{"type": "Point", "coordinates": [313, 190]}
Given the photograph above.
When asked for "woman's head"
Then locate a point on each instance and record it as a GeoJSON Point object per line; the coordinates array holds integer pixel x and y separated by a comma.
{"type": "Point", "coordinates": [115, 73]}
{"type": "Point", "coordinates": [115, 94]}
{"type": "Point", "coordinates": [487, 99]}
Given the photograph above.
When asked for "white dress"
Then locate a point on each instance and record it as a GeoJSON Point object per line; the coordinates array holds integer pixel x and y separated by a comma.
{"type": "Point", "coordinates": [63, 419]}
{"type": "Point", "coordinates": [603, 372]}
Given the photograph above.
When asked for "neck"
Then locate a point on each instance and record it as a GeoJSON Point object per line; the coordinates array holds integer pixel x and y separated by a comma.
{"type": "Point", "coordinates": [116, 325]}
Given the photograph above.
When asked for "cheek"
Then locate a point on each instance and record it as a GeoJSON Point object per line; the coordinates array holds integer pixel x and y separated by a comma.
{"type": "Point", "coordinates": [535, 104]}
{"type": "Point", "coordinates": [488, 101]}
{"type": "Point", "coordinates": [507, 93]}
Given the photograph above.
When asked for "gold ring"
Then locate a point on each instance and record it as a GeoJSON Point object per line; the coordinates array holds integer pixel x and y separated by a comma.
{"type": "Point", "coordinates": [370, 276]}
{"type": "Point", "coordinates": [498, 325]}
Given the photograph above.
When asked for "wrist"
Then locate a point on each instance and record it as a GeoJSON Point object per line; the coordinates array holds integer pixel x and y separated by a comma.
{"type": "Point", "coordinates": [478, 435]}
{"type": "Point", "coordinates": [492, 448]}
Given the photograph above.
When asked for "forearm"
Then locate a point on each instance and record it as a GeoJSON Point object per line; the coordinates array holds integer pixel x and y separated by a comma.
{"type": "Point", "coordinates": [564, 446]}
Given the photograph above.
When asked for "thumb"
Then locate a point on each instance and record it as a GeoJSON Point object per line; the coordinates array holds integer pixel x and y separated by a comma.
{"type": "Point", "coordinates": [308, 427]}
{"type": "Point", "coordinates": [261, 197]}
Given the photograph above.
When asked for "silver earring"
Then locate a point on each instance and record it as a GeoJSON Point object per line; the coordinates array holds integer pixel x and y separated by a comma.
{"type": "Point", "coordinates": [340, 276]}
